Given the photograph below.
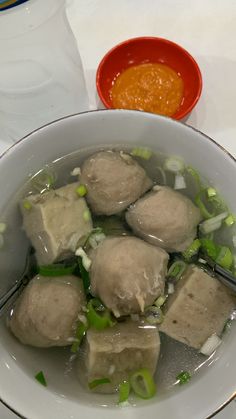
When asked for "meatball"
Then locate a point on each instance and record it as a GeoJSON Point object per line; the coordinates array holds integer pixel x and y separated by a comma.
{"type": "Point", "coordinates": [47, 311]}
{"type": "Point", "coordinates": [113, 181]}
{"type": "Point", "coordinates": [165, 218]}
{"type": "Point", "coordinates": [127, 274]}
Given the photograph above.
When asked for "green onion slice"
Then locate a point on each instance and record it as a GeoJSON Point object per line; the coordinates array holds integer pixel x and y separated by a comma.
{"type": "Point", "coordinates": [176, 269]}
{"type": "Point", "coordinates": [81, 190]}
{"type": "Point", "coordinates": [195, 176]}
{"type": "Point", "coordinates": [230, 220]}
{"type": "Point", "coordinates": [41, 379]}
{"type": "Point", "coordinates": [210, 248]}
{"type": "Point", "coordinates": [124, 390]}
{"type": "Point", "coordinates": [154, 315]}
{"type": "Point", "coordinates": [225, 257]}
{"type": "Point", "coordinates": [192, 250]}
{"type": "Point", "coordinates": [57, 269]}
{"type": "Point", "coordinates": [183, 377]}
{"type": "Point", "coordinates": [160, 301]}
{"type": "Point", "coordinates": [80, 333]}
{"type": "Point", "coordinates": [84, 275]}
{"type": "Point", "coordinates": [98, 316]}
{"type": "Point", "coordinates": [98, 382]}
{"type": "Point", "coordinates": [142, 383]}
{"type": "Point", "coordinates": [204, 211]}
{"type": "Point", "coordinates": [142, 152]}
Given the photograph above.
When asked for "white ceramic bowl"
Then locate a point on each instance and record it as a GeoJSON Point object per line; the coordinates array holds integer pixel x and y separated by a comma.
{"type": "Point", "coordinates": [209, 389]}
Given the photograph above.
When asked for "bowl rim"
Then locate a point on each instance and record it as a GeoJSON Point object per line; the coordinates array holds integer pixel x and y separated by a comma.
{"type": "Point", "coordinates": [182, 114]}
{"type": "Point", "coordinates": [215, 143]}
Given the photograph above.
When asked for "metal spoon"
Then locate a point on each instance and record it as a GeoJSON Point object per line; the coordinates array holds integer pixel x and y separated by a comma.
{"type": "Point", "coordinates": [25, 277]}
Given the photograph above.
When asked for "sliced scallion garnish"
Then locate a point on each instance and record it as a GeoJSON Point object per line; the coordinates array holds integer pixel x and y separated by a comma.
{"type": "Point", "coordinates": [230, 220]}
{"type": "Point", "coordinates": [192, 250]}
{"type": "Point", "coordinates": [176, 269]}
{"type": "Point", "coordinates": [80, 333]}
{"type": "Point", "coordinates": [160, 301]}
{"type": "Point", "coordinates": [27, 205]}
{"type": "Point", "coordinates": [142, 383]}
{"type": "Point", "coordinates": [203, 209]}
{"type": "Point", "coordinates": [41, 379]}
{"type": "Point", "coordinates": [81, 190]}
{"type": "Point", "coordinates": [93, 384]}
{"type": "Point", "coordinates": [124, 391]}
{"type": "Point", "coordinates": [142, 152]}
{"type": "Point", "coordinates": [183, 377]}
{"type": "Point", "coordinates": [154, 315]}
{"type": "Point", "coordinates": [174, 164]}
{"type": "Point", "coordinates": [57, 269]}
{"type": "Point", "coordinates": [86, 215]}
{"type": "Point", "coordinates": [86, 261]}
{"type": "Point", "coordinates": [195, 176]}
{"type": "Point", "coordinates": [212, 224]}
{"type": "Point", "coordinates": [225, 257]}
{"type": "Point", "coordinates": [210, 248]}
{"type": "Point", "coordinates": [98, 316]}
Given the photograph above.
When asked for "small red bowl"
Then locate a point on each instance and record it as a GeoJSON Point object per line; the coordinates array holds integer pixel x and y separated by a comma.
{"type": "Point", "coordinates": [154, 50]}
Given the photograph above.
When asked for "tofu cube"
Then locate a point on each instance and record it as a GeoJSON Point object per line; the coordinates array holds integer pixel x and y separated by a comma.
{"type": "Point", "coordinates": [116, 352]}
{"type": "Point", "coordinates": [198, 308]}
{"type": "Point", "coordinates": [54, 222]}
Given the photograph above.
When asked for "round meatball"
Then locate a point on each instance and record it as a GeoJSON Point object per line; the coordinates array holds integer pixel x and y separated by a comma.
{"type": "Point", "coordinates": [165, 218]}
{"type": "Point", "coordinates": [127, 274]}
{"type": "Point", "coordinates": [47, 311]}
{"type": "Point", "coordinates": [113, 181]}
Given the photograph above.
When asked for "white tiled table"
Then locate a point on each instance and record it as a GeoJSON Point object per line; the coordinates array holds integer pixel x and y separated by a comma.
{"type": "Point", "coordinates": [206, 28]}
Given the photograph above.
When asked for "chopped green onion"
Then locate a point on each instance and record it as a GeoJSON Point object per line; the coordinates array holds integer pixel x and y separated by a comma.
{"type": "Point", "coordinates": [183, 377]}
{"type": "Point", "coordinates": [174, 164]}
{"type": "Point", "coordinates": [96, 238]}
{"type": "Point", "coordinates": [98, 316]}
{"type": "Point", "coordinates": [142, 152]}
{"type": "Point", "coordinates": [124, 390]}
{"type": "Point", "coordinates": [27, 205]}
{"type": "Point", "coordinates": [176, 269]}
{"type": "Point", "coordinates": [230, 220]}
{"type": "Point", "coordinates": [86, 215]}
{"type": "Point", "coordinates": [210, 248]}
{"type": "Point", "coordinates": [154, 315]}
{"type": "Point", "coordinates": [57, 269]}
{"type": "Point", "coordinates": [179, 182]}
{"type": "Point", "coordinates": [81, 190]}
{"type": "Point", "coordinates": [204, 211]}
{"type": "Point", "coordinates": [211, 192]}
{"type": "Point", "coordinates": [210, 345]}
{"type": "Point", "coordinates": [86, 261]}
{"type": "Point", "coordinates": [80, 333]}
{"type": "Point", "coordinates": [98, 382]}
{"type": "Point", "coordinates": [195, 176]}
{"type": "Point", "coordinates": [84, 275]}
{"type": "Point", "coordinates": [192, 250]}
{"type": "Point", "coordinates": [143, 384]}
{"type": "Point", "coordinates": [160, 301]}
{"type": "Point", "coordinates": [212, 224]}
{"type": "Point", "coordinates": [3, 227]}
{"type": "Point", "coordinates": [41, 379]}
{"type": "Point", "coordinates": [225, 257]}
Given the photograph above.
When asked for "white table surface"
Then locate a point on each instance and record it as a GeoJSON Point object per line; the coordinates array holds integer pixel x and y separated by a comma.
{"type": "Point", "coordinates": [206, 28]}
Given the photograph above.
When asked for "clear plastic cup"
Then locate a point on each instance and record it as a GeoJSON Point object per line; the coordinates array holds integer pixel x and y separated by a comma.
{"type": "Point", "coordinates": [41, 74]}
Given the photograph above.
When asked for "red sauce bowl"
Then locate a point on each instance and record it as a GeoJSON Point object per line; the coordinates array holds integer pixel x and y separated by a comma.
{"type": "Point", "coordinates": [150, 50]}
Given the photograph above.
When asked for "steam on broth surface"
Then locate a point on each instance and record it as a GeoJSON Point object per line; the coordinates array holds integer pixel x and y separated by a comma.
{"type": "Point", "coordinates": [102, 347]}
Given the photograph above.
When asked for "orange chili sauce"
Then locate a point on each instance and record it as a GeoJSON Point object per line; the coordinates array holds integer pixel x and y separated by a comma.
{"type": "Point", "coordinates": [151, 87]}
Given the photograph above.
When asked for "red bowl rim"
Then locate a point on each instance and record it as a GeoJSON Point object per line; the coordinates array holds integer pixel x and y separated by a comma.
{"type": "Point", "coordinates": [182, 114]}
